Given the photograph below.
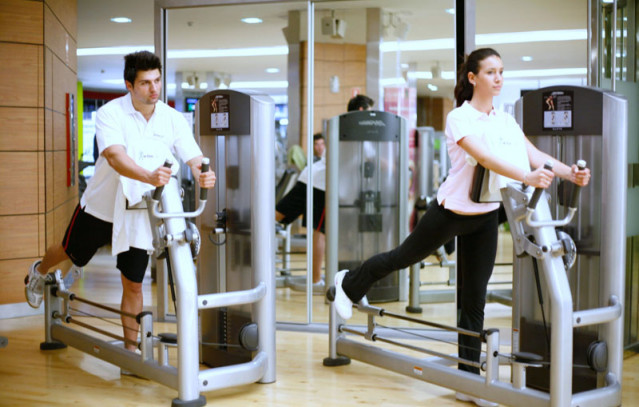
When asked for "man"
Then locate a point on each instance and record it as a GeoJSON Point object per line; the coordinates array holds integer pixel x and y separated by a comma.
{"type": "Point", "coordinates": [293, 204]}
{"type": "Point", "coordinates": [318, 146]}
{"type": "Point", "coordinates": [360, 102]}
{"type": "Point", "coordinates": [138, 122]}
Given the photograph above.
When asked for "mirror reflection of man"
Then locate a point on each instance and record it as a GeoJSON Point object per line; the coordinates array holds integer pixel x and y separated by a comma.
{"type": "Point", "coordinates": [293, 204]}
{"type": "Point", "coordinates": [319, 147]}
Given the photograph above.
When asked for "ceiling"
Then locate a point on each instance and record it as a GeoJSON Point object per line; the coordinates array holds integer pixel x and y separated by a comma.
{"type": "Point", "coordinates": [428, 41]}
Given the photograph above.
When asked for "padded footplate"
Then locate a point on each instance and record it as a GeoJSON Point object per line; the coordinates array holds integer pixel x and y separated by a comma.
{"type": "Point", "coordinates": [168, 337]}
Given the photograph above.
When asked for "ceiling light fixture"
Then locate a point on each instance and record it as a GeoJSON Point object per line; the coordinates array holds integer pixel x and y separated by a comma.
{"type": "Point", "coordinates": [526, 58]}
{"type": "Point", "coordinates": [272, 70]}
{"type": "Point", "coordinates": [121, 20]}
{"type": "Point", "coordinates": [251, 20]}
{"type": "Point", "coordinates": [450, 11]}
{"type": "Point", "coordinates": [259, 85]}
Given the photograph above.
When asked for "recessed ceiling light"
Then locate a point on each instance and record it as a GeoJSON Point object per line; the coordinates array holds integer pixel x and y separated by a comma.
{"type": "Point", "coordinates": [272, 70]}
{"type": "Point", "coordinates": [450, 11]}
{"type": "Point", "coordinates": [526, 58]}
{"type": "Point", "coordinates": [121, 20]}
{"type": "Point", "coordinates": [252, 20]}
{"type": "Point", "coordinates": [432, 87]}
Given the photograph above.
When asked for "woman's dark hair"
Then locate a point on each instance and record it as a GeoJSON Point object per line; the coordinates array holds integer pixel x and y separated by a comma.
{"type": "Point", "coordinates": [464, 89]}
{"type": "Point", "coordinates": [140, 61]}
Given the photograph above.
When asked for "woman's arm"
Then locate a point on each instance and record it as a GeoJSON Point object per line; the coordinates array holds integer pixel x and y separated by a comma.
{"type": "Point", "coordinates": [539, 178]}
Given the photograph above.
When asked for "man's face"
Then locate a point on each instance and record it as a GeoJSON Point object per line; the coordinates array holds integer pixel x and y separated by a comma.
{"type": "Point", "coordinates": [146, 88]}
{"type": "Point", "coordinates": [318, 147]}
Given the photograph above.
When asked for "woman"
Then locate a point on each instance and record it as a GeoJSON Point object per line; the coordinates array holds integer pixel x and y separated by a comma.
{"type": "Point", "coordinates": [471, 131]}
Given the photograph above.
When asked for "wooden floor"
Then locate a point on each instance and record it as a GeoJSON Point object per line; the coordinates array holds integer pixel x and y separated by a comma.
{"type": "Point", "coordinates": [30, 377]}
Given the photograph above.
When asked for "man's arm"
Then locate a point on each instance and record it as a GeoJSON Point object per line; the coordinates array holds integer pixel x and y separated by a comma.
{"type": "Point", "coordinates": [124, 165]}
{"type": "Point", "coordinates": [206, 179]}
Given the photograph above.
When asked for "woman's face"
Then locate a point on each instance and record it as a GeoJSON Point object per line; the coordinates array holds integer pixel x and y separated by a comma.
{"type": "Point", "coordinates": [489, 79]}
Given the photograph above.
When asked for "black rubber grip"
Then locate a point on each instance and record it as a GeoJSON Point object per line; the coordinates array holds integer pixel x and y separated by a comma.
{"type": "Point", "coordinates": [205, 168]}
{"type": "Point", "coordinates": [537, 194]}
{"type": "Point", "coordinates": [581, 164]}
{"type": "Point", "coordinates": [157, 194]}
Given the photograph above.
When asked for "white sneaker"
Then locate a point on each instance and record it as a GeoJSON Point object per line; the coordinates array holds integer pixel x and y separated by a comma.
{"type": "Point", "coordinates": [480, 402]}
{"type": "Point", "coordinates": [34, 286]}
{"type": "Point", "coordinates": [343, 304]}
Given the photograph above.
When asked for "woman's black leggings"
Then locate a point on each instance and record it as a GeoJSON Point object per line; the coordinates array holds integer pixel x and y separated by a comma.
{"type": "Point", "coordinates": [476, 251]}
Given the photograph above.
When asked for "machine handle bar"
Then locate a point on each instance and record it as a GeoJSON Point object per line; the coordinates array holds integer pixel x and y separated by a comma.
{"type": "Point", "coordinates": [581, 164]}
{"type": "Point", "coordinates": [537, 194]}
{"type": "Point", "coordinates": [157, 194]}
{"type": "Point", "coordinates": [572, 209]}
{"type": "Point", "coordinates": [205, 168]}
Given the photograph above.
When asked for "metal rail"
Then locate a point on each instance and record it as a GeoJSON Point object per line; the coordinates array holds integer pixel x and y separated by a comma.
{"type": "Point", "coordinates": [376, 338]}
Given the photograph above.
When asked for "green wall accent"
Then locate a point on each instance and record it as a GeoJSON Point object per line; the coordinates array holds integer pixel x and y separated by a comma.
{"type": "Point", "coordinates": [79, 115]}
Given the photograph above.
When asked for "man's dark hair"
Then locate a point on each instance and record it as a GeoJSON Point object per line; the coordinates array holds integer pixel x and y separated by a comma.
{"type": "Point", "coordinates": [318, 136]}
{"type": "Point", "coordinates": [360, 101]}
{"type": "Point", "coordinates": [140, 61]}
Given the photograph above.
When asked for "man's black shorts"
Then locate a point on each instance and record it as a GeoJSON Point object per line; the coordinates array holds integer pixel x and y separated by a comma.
{"type": "Point", "coordinates": [86, 234]}
{"type": "Point", "coordinates": [293, 205]}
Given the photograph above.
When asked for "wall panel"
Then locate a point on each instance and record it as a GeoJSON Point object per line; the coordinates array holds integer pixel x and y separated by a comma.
{"type": "Point", "coordinates": [39, 64]}
{"type": "Point", "coordinates": [19, 236]}
{"type": "Point", "coordinates": [19, 186]}
{"type": "Point", "coordinates": [20, 129]}
{"type": "Point", "coordinates": [20, 75]}
{"type": "Point", "coordinates": [21, 21]}
{"type": "Point", "coordinates": [14, 270]}
{"type": "Point", "coordinates": [59, 41]}
{"type": "Point", "coordinates": [67, 12]}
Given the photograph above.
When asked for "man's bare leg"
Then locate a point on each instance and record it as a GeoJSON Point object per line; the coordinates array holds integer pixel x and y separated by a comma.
{"type": "Point", "coordinates": [54, 256]}
{"type": "Point", "coordinates": [319, 245]}
{"type": "Point", "coordinates": [132, 302]}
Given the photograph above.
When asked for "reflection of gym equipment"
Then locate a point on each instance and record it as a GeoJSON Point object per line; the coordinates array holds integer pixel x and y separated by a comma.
{"type": "Point", "coordinates": [597, 131]}
{"type": "Point", "coordinates": [238, 237]}
{"type": "Point", "coordinates": [432, 163]}
{"type": "Point", "coordinates": [366, 191]}
{"type": "Point", "coordinates": [431, 168]}
{"type": "Point", "coordinates": [529, 216]}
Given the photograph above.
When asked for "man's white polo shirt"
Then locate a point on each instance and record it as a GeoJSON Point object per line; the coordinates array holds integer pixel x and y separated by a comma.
{"type": "Point", "coordinates": [116, 123]}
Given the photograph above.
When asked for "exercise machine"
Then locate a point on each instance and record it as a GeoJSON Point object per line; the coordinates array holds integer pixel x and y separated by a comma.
{"type": "Point", "coordinates": [567, 349]}
{"type": "Point", "coordinates": [570, 122]}
{"type": "Point", "coordinates": [237, 318]}
{"type": "Point", "coordinates": [238, 234]}
{"type": "Point", "coordinates": [169, 229]}
{"type": "Point", "coordinates": [366, 193]}
{"type": "Point", "coordinates": [535, 231]}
